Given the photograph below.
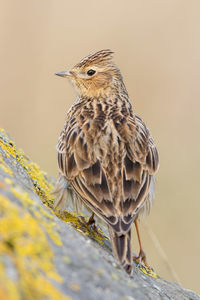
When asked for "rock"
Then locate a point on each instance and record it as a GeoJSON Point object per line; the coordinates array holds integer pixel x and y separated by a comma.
{"type": "Point", "coordinates": [47, 255]}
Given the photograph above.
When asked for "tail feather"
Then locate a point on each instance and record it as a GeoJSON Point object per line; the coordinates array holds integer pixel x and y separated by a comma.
{"type": "Point", "coordinates": [121, 245]}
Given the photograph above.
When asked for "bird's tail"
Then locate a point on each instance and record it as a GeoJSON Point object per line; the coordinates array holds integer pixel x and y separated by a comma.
{"type": "Point", "coordinates": [121, 245]}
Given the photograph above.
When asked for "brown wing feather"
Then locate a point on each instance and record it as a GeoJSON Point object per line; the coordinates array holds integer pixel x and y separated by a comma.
{"type": "Point", "coordinates": [115, 188]}
{"type": "Point", "coordinates": [140, 163]}
{"type": "Point", "coordinates": [78, 161]}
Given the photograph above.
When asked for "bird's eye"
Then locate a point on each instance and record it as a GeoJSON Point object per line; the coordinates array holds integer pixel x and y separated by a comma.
{"type": "Point", "coordinates": [91, 72]}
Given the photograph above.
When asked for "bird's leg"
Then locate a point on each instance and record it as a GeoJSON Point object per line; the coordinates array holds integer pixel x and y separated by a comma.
{"type": "Point", "coordinates": [142, 256]}
{"type": "Point", "coordinates": [91, 220]}
{"type": "Point", "coordinates": [91, 224]}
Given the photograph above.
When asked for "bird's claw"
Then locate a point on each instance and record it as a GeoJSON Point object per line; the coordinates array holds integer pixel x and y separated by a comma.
{"type": "Point", "coordinates": [141, 259]}
{"type": "Point", "coordinates": [90, 224]}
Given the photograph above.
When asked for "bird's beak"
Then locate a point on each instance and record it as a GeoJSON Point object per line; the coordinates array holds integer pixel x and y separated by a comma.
{"type": "Point", "coordinates": [63, 73]}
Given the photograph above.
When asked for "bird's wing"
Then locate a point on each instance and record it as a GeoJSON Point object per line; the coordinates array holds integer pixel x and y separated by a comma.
{"type": "Point", "coordinates": [139, 166]}
{"type": "Point", "coordinates": [79, 162]}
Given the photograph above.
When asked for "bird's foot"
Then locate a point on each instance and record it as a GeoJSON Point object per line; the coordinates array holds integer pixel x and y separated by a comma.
{"type": "Point", "coordinates": [91, 225]}
{"type": "Point", "coordinates": [141, 258]}
{"type": "Point", "coordinates": [143, 266]}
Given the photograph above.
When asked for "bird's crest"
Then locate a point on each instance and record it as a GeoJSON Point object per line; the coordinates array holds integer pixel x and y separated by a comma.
{"type": "Point", "coordinates": [101, 57]}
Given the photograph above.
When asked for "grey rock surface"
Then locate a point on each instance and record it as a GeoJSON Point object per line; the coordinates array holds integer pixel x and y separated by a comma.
{"type": "Point", "coordinates": [50, 256]}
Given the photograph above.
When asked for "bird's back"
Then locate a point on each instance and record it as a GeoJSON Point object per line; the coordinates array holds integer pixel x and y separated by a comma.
{"type": "Point", "coordinates": [98, 153]}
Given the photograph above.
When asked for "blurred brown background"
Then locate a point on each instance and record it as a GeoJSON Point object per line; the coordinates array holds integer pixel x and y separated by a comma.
{"type": "Point", "coordinates": [157, 47]}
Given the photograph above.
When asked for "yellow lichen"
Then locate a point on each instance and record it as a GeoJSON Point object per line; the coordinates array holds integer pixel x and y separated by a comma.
{"type": "Point", "coordinates": [42, 186]}
{"type": "Point", "coordinates": [7, 145]}
{"type": "Point", "coordinates": [148, 271]}
{"type": "Point", "coordinates": [114, 276]}
{"type": "Point", "coordinates": [75, 286]}
{"type": "Point", "coordinates": [22, 238]}
{"type": "Point", "coordinates": [67, 259]}
{"type": "Point", "coordinates": [8, 180]}
{"type": "Point", "coordinates": [80, 223]}
{"type": "Point", "coordinates": [39, 214]}
{"type": "Point", "coordinates": [8, 289]}
{"type": "Point", "coordinates": [25, 244]}
{"type": "Point", "coordinates": [100, 272]}
{"type": "Point", "coordinates": [4, 166]}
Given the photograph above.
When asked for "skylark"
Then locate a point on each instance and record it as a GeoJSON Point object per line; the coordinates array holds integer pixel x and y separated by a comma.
{"type": "Point", "coordinates": [106, 155]}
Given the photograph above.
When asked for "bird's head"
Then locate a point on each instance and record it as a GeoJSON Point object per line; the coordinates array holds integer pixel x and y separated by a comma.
{"type": "Point", "coordinates": [95, 75]}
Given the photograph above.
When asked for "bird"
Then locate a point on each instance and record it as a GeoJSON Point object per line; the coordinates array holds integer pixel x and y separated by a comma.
{"type": "Point", "coordinates": [107, 157]}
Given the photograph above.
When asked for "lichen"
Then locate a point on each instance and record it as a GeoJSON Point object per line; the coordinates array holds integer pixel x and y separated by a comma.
{"type": "Point", "coordinates": [26, 246]}
{"type": "Point", "coordinates": [4, 167]}
{"type": "Point", "coordinates": [42, 185]}
{"type": "Point", "coordinates": [42, 216]}
{"type": "Point", "coordinates": [114, 276]}
{"type": "Point", "coordinates": [26, 226]}
{"type": "Point", "coordinates": [80, 223]}
{"type": "Point", "coordinates": [147, 270]}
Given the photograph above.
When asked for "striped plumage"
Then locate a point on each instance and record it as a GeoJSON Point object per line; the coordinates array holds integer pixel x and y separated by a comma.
{"type": "Point", "coordinates": [106, 152]}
